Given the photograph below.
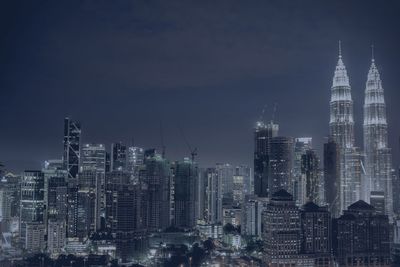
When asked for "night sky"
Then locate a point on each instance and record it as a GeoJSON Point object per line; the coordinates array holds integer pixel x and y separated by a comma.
{"type": "Point", "coordinates": [122, 68]}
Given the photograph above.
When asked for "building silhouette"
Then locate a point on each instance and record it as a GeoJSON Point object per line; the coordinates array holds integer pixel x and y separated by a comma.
{"type": "Point", "coordinates": [362, 237]}
{"type": "Point", "coordinates": [280, 164]}
{"type": "Point", "coordinates": [262, 135]}
{"type": "Point", "coordinates": [378, 157]}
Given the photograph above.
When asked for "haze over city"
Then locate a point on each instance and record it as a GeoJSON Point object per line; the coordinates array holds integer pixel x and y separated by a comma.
{"type": "Point", "coordinates": [208, 68]}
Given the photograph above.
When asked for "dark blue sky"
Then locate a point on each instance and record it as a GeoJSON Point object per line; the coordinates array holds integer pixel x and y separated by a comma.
{"type": "Point", "coordinates": [121, 67]}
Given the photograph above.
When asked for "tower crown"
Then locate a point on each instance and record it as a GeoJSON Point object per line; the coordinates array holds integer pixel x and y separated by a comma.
{"type": "Point", "coordinates": [340, 78]}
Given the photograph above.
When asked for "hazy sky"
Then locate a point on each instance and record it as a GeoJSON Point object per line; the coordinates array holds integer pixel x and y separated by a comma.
{"type": "Point", "coordinates": [208, 67]}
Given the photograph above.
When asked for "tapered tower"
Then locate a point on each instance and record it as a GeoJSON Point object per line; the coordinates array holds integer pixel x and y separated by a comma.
{"type": "Point", "coordinates": [341, 127]}
{"type": "Point", "coordinates": [377, 154]}
{"type": "Point", "coordinates": [341, 122]}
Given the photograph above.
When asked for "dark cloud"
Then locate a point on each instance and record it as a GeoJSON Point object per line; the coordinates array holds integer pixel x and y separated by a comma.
{"type": "Point", "coordinates": [209, 67]}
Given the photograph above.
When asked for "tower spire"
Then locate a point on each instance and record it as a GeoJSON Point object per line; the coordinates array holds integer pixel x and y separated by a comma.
{"type": "Point", "coordinates": [372, 53]}
{"type": "Point", "coordinates": [340, 49]}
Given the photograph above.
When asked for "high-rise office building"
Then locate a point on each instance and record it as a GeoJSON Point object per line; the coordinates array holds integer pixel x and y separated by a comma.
{"type": "Point", "coordinates": [248, 181]}
{"type": "Point", "coordinates": [125, 216]}
{"type": "Point", "coordinates": [72, 139]}
{"type": "Point", "coordinates": [280, 164]}
{"type": "Point", "coordinates": [213, 199]}
{"type": "Point", "coordinates": [378, 157]}
{"type": "Point", "coordinates": [72, 209]}
{"type": "Point", "coordinates": [157, 176]}
{"type": "Point", "coordinates": [225, 172]}
{"type": "Point", "coordinates": [316, 233]}
{"type": "Point", "coordinates": [89, 202]}
{"type": "Point", "coordinates": [301, 145]}
{"type": "Point", "coordinates": [108, 162]}
{"type": "Point", "coordinates": [251, 217]}
{"type": "Point", "coordinates": [55, 173]}
{"type": "Point", "coordinates": [35, 237]}
{"type": "Point", "coordinates": [350, 183]}
{"type": "Point", "coordinates": [185, 177]}
{"type": "Point", "coordinates": [332, 177]}
{"type": "Point", "coordinates": [9, 201]}
{"type": "Point", "coordinates": [71, 160]}
{"type": "Point", "coordinates": [56, 237]}
{"type": "Point", "coordinates": [93, 163]}
{"type": "Point", "coordinates": [134, 159]}
{"type": "Point", "coordinates": [310, 177]}
{"type": "Point", "coordinates": [262, 134]}
{"type": "Point", "coordinates": [362, 237]}
{"type": "Point", "coordinates": [201, 196]}
{"type": "Point", "coordinates": [281, 230]}
{"type": "Point", "coordinates": [32, 208]}
{"type": "Point", "coordinates": [93, 158]}
{"type": "Point", "coordinates": [57, 198]}
{"type": "Point", "coordinates": [118, 157]}
{"type": "Point", "coordinates": [238, 189]}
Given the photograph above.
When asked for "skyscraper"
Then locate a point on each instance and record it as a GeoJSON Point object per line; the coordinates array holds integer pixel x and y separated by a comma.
{"type": "Point", "coordinates": [9, 201]}
{"type": "Point", "coordinates": [72, 138]}
{"type": "Point", "coordinates": [238, 191]}
{"type": "Point", "coordinates": [185, 178]}
{"type": "Point", "coordinates": [134, 159]}
{"type": "Point", "coordinates": [93, 164]}
{"type": "Point", "coordinates": [93, 158]}
{"type": "Point", "coordinates": [57, 198]}
{"type": "Point", "coordinates": [124, 215]}
{"type": "Point", "coordinates": [248, 181]}
{"type": "Point", "coordinates": [89, 202]}
{"type": "Point", "coordinates": [378, 158]}
{"type": "Point", "coordinates": [280, 164]}
{"type": "Point", "coordinates": [341, 122]}
{"type": "Point", "coordinates": [262, 135]}
{"type": "Point", "coordinates": [226, 172]}
{"type": "Point", "coordinates": [301, 145]}
{"type": "Point", "coordinates": [341, 125]}
{"type": "Point", "coordinates": [158, 177]}
{"type": "Point", "coordinates": [32, 201]}
{"type": "Point", "coordinates": [251, 217]}
{"type": "Point", "coordinates": [213, 199]}
{"type": "Point", "coordinates": [282, 230]}
{"type": "Point", "coordinates": [310, 179]}
{"type": "Point", "coordinates": [71, 160]}
{"type": "Point", "coordinates": [332, 177]}
{"type": "Point", "coordinates": [118, 157]}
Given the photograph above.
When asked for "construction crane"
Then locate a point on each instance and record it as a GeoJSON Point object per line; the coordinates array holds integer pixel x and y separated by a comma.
{"type": "Point", "coordinates": [162, 140]}
{"type": "Point", "coordinates": [193, 151]}
{"type": "Point", "coordinates": [274, 112]}
{"type": "Point", "coordinates": [262, 113]}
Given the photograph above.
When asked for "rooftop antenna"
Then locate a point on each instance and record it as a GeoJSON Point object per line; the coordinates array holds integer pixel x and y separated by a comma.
{"type": "Point", "coordinates": [372, 53]}
{"type": "Point", "coordinates": [133, 141]}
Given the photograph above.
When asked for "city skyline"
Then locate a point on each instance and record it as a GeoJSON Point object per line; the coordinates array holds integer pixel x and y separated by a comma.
{"type": "Point", "coordinates": [179, 133]}
{"type": "Point", "coordinates": [234, 77]}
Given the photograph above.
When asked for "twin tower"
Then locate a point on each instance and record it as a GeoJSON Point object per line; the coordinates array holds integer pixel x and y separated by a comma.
{"type": "Point", "coordinates": [363, 174]}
